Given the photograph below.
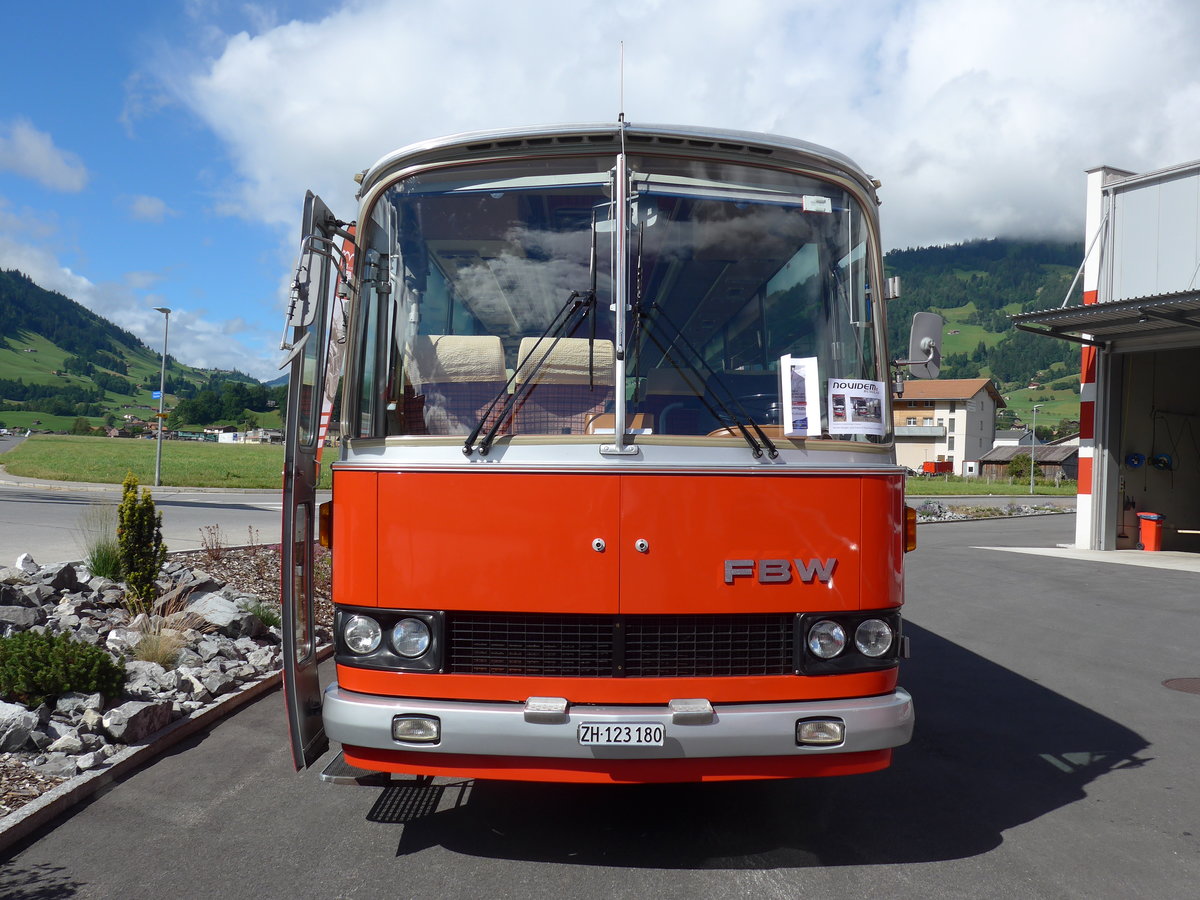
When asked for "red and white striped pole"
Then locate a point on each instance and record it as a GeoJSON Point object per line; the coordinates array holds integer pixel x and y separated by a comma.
{"type": "Point", "coordinates": [1093, 222]}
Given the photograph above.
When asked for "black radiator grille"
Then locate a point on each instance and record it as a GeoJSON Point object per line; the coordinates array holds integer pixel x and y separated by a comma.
{"type": "Point", "coordinates": [631, 646]}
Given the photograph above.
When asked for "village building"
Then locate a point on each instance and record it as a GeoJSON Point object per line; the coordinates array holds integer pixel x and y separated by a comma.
{"type": "Point", "coordinates": [951, 420]}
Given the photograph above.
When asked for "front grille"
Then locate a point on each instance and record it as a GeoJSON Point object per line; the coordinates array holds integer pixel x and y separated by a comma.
{"type": "Point", "coordinates": [631, 646]}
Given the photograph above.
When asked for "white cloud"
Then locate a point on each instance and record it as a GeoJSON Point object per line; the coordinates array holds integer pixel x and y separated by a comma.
{"type": "Point", "coordinates": [979, 117]}
{"type": "Point", "coordinates": [30, 153]}
{"type": "Point", "coordinates": [195, 338]}
{"type": "Point", "coordinates": [148, 209]}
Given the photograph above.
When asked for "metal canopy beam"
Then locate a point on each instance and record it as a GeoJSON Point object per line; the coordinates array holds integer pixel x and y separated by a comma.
{"type": "Point", "coordinates": [1161, 317]}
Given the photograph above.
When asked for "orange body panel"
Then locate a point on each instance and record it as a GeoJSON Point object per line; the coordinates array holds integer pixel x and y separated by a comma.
{"type": "Point", "coordinates": [355, 532]}
{"type": "Point", "coordinates": [632, 771]}
{"type": "Point", "coordinates": [495, 542]}
{"type": "Point", "coordinates": [525, 542]}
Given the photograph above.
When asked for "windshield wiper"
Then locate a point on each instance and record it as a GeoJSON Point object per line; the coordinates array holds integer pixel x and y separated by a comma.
{"type": "Point", "coordinates": [741, 419]}
{"type": "Point", "coordinates": [565, 322]}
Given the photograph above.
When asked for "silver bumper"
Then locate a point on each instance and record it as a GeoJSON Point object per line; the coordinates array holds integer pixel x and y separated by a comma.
{"type": "Point", "coordinates": [505, 729]}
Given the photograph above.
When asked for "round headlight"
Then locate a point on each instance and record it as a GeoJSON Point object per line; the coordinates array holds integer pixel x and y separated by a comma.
{"type": "Point", "coordinates": [873, 637]}
{"type": "Point", "coordinates": [826, 639]}
{"type": "Point", "coordinates": [411, 637]}
{"type": "Point", "coordinates": [362, 634]}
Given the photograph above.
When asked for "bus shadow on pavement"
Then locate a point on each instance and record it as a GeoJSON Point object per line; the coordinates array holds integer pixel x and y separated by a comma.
{"type": "Point", "coordinates": [992, 750]}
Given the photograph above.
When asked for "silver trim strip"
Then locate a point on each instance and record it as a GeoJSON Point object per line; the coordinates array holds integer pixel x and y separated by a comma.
{"type": "Point", "coordinates": [501, 729]}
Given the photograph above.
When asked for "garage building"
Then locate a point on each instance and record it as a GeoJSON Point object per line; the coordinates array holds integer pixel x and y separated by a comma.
{"type": "Point", "coordinates": [1139, 327]}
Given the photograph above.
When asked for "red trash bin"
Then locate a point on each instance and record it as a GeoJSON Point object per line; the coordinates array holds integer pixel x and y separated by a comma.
{"type": "Point", "coordinates": [1150, 530]}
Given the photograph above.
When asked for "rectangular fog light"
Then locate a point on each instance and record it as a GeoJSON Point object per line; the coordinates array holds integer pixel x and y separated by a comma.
{"type": "Point", "coordinates": [416, 729]}
{"type": "Point", "coordinates": [820, 732]}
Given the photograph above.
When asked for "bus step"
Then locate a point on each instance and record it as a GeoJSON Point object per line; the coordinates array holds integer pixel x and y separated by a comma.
{"type": "Point", "coordinates": [341, 772]}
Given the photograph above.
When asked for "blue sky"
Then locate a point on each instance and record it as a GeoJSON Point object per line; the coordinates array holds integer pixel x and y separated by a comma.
{"type": "Point", "coordinates": [156, 153]}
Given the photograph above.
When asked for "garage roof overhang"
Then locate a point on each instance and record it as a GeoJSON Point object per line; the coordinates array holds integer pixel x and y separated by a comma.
{"type": "Point", "coordinates": [1166, 320]}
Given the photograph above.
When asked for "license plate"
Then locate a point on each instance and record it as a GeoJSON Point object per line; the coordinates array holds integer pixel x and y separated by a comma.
{"type": "Point", "coordinates": [623, 734]}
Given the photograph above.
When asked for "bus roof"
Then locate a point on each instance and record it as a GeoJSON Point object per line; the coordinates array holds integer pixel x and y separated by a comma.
{"type": "Point", "coordinates": [606, 137]}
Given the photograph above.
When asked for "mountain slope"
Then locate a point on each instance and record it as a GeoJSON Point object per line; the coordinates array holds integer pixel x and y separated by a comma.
{"type": "Point", "coordinates": [976, 286]}
{"type": "Point", "coordinates": [60, 361]}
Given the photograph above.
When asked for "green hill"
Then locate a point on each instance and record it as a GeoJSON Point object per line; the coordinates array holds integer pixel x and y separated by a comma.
{"type": "Point", "coordinates": [60, 362]}
{"type": "Point", "coordinates": [976, 286]}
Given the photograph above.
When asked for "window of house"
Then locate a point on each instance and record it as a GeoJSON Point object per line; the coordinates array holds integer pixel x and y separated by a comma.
{"type": "Point", "coordinates": [911, 420]}
{"type": "Point", "coordinates": [928, 420]}
{"type": "Point", "coordinates": [950, 442]}
{"type": "Point", "coordinates": [952, 424]}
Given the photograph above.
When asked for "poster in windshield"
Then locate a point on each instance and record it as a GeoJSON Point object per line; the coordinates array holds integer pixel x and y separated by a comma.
{"type": "Point", "coordinates": [856, 406]}
{"type": "Point", "coordinates": [801, 396]}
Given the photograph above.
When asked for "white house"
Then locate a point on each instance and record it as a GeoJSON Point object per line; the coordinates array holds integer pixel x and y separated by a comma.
{"type": "Point", "coordinates": [945, 421]}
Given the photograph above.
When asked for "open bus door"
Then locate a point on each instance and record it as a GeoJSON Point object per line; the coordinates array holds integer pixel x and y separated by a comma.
{"type": "Point", "coordinates": [307, 341]}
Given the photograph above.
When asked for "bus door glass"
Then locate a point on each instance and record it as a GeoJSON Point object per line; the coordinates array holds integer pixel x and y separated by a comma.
{"type": "Point", "coordinates": [307, 340]}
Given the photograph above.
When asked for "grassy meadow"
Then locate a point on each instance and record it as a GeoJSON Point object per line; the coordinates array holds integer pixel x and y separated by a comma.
{"type": "Point", "coordinates": [184, 463]}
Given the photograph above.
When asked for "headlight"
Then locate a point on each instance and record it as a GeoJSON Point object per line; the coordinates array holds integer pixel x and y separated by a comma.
{"type": "Point", "coordinates": [826, 639]}
{"type": "Point", "coordinates": [873, 637]}
{"type": "Point", "coordinates": [362, 634]}
{"type": "Point", "coordinates": [411, 637]}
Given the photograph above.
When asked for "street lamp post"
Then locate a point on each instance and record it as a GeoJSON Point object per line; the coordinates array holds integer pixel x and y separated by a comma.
{"type": "Point", "coordinates": [1032, 449]}
{"type": "Point", "coordinates": [162, 394]}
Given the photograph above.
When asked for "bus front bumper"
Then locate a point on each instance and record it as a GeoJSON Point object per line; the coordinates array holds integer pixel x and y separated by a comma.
{"type": "Point", "coordinates": [539, 730]}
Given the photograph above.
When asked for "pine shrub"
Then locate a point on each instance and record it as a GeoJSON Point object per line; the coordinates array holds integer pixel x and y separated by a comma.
{"type": "Point", "coordinates": [139, 535]}
{"type": "Point", "coordinates": [37, 668]}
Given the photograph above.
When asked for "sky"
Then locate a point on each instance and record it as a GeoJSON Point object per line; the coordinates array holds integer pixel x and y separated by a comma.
{"type": "Point", "coordinates": [156, 152]}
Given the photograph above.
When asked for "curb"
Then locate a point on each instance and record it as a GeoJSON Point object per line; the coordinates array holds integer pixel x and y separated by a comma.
{"type": "Point", "coordinates": [52, 804]}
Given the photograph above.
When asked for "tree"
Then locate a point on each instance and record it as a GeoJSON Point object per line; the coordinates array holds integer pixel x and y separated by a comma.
{"type": "Point", "coordinates": [139, 537]}
{"type": "Point", "coordinates": [81, 426]}
{"type": "Point", "coordinates": [1018, 467]}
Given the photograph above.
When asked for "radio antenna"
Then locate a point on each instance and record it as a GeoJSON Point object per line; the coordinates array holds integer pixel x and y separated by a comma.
{"type": "Point", "coordinates": [621, 92]}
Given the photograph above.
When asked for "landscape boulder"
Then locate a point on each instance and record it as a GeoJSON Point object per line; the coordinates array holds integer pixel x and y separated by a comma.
{"type": "Point", "coordinates": [136, 720]}
{"type": "Point", "coordinates": [61, 577]}
{"type": "Point", "coordinates": [226, 617]}
{"type": "Point", "coordinates": [16, 725]}
{"type": "Point", "coordinates": [21, 618]}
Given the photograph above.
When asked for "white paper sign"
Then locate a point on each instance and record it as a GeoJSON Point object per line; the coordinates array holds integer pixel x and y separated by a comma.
{"type": "Point", "coordinates": [856, 407]}
{"type": "Point", "coordinates": [801, 393]}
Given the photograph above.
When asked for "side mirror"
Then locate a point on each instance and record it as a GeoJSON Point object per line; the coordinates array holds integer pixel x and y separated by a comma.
{"type": "Point", "coordinates": [924, 345]}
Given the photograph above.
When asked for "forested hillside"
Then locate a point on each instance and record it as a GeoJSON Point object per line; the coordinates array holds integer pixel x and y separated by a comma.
{"type": "Point", "coordinates": [976, 286]}
{"type": "Point", "coordinates": [63, 367]}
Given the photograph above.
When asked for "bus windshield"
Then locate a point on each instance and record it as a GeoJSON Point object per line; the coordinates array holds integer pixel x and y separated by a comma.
{"type": "Point", "coordinates": [489, 302]}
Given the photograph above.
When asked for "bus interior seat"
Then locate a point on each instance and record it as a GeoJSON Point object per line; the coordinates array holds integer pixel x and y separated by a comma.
{"type": "Point", "coordinates": [457, 377]}
{"type": "Point", "coordinates": [561, 398]}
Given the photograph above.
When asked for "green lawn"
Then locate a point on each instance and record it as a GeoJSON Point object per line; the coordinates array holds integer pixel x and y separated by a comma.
{"type": "Point", "coordinates": [943, 486]}
{"type": "Point", "coordinates": [184, 463]}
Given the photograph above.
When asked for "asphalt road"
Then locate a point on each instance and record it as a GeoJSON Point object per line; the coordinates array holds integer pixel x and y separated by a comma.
{"type": "Point", "coordinates": [1049, 761]}
{"type": "Point", "coordinates": [49, 524]}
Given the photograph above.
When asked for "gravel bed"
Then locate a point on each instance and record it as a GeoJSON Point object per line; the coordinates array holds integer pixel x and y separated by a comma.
{"type": "Point", "coordinates": [236, 646]}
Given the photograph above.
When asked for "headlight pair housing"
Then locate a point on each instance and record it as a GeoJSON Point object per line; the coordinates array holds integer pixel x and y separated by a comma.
{"type": "Point", "coordinates": [840, 643]}
{"type": "Point", "coordinates": [389, 638]}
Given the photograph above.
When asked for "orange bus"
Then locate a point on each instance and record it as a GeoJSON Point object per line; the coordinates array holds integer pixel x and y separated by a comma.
{"type": "Point", "coordinates": [615, 497]}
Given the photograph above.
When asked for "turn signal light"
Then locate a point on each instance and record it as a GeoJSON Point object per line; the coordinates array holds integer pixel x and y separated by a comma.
{"type": "Point", "coordinates": [325, 524]}
{"type": "Point", "coordinates": [910, 529]}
